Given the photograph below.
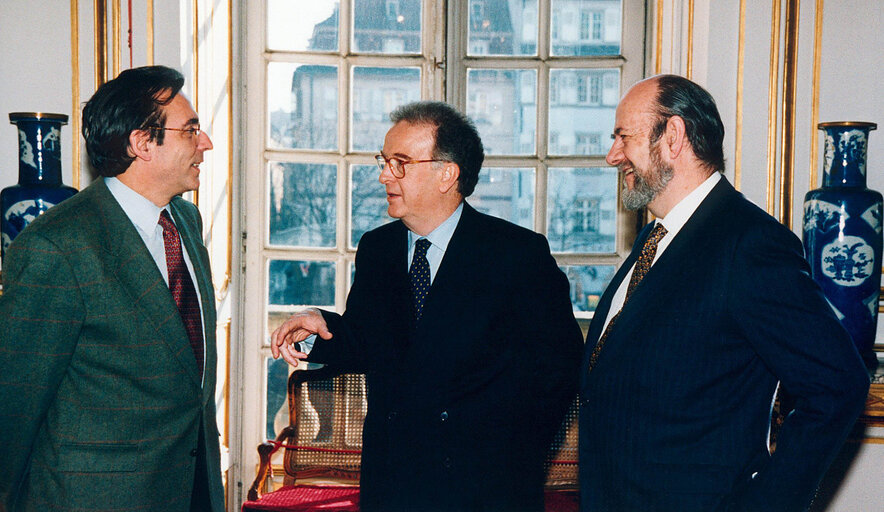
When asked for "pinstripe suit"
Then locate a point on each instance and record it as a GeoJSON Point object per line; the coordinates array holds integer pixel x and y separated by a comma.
{"type": "Point", "coordinates": [675, 415]}
{"type": "Point", "coordinates": [102, 405]}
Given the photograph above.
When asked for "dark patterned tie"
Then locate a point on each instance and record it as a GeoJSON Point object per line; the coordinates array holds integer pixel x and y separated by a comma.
{"type": "Point", "coordinates": [181, 286]}
{"type": "Point", "coordinates": [642, 265]}
{"type": "Point", "coordinates": [420, 276]}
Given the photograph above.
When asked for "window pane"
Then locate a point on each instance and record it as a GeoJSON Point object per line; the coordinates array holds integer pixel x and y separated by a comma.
{"type": "Point", "coordinates": [302, 101]}
{"type": "Point", "coordinates": [301, 283]}
{"type": "Point", "coordinates": [387, 26]}
{"type": "Point", "coordinates": [302, 204]}
{"type": "Point", "coordinates": [376, 93]}
{"type": "Point", "coordinates": [277, 412]}
{"type": "Point", "coordinates": [299, 26]}
{"type": "Point", "coordinates": [503, 28]}
{"type": "Point", "coordinates": [585, 27]}
{"type": "Point", "coordinates": [588, 282]}
{"type": "Point", "coordinates": [582, 104]}
{"type": "Point", "coordinates": [582, 206]}
{"type": "Point", "coordinates": [502, 104]}
{"type": "Point", "coordinates": [506, 193]}
{"type": "Point", "coordinates": [368, 202]}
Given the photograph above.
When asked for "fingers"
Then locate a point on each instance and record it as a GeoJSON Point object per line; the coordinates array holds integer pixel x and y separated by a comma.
{"type": "Point", "coordinates": [297, 328]}
{"type": "Point", "coordinates": [291, 356]}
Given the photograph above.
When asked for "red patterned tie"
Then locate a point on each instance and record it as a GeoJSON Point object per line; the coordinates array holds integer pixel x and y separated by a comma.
{"type": "Point", "coordinates": [181, 286]}
{"type": "Point", "coordinates": [642, 265]}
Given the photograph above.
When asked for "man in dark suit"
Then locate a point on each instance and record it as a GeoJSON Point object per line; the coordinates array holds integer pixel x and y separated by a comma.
{"type": "Point", "coordinates": [711, 310]}
{"type": "Point", "coordinates": [468, 383]}
{"type": "Point", "coordinates": [107, 346]}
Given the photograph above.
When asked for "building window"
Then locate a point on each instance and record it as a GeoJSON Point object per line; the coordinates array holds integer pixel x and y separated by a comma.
{"type": "Point", "coordinates": [586, 215]}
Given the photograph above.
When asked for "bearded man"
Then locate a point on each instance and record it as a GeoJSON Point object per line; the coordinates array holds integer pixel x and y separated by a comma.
{"type": "Point", "coordinates": [713, 309]}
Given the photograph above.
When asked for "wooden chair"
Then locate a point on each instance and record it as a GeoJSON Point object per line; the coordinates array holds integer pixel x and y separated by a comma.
{"type": "Point", "coordinates": [323, 445]}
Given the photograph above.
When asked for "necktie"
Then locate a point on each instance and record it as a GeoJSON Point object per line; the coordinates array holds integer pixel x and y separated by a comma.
{"type": "Point", "coordinates": [642, 265]}
{"type": "Point", "coordinates": [181, 286]}
{"type": "Point", "coordinates": [420, 276]}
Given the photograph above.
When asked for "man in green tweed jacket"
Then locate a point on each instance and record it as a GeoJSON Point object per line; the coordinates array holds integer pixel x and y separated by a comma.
{"type": "Point", "coordinates": [106, 380]}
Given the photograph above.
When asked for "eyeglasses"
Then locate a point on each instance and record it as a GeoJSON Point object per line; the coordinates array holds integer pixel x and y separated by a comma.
{"type": "Point", "coordinates": [194, 132]}
{"type": "Point", "coordinates": [397, 165]}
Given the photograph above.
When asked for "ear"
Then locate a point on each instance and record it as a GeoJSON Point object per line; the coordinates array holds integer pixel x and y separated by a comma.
{"type": "Point", "coordinates": [674, 138]}
{"type": "Point", "coordinates": [448, 177]}
{"type": "Point", "coordinates": [140, 145]}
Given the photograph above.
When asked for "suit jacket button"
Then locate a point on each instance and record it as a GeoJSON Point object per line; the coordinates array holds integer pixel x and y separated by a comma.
{"type": "Point", "coordinates": [193, 452]}
{"type": "Point", "coordinates": [443, 416]}
{"type": "Point", "coordinates": [391, 416]}
{"type": "Point", "coordinates": [447, 462]}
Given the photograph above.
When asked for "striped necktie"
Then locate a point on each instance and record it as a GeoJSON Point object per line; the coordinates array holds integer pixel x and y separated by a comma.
{"type": "Point", "coordinates": [181, 286]}
{"type": "Point", "coordinates": [642, 265]}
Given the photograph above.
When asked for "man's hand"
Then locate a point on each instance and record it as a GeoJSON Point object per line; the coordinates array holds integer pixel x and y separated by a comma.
{"type": "Point", "coordinates": [297, 328]}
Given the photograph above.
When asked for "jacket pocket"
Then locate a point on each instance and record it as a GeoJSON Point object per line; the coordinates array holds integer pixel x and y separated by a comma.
{"type": "Point", "coordinates": [98, 457]}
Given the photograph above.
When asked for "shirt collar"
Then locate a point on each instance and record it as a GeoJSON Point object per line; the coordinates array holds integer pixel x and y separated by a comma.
{"type": "Point", "coordinates": [440, 236]}
{"type": "Point", "coordinates": [140, 210]}
{"type": "Point", "coordinates": [680, 214]}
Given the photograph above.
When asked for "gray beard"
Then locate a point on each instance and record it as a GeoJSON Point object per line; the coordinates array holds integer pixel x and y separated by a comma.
{"type": "Point", "coordinates": [645, 190]}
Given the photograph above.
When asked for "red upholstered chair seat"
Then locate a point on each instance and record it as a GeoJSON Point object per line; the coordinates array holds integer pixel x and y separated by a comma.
{"type": "Point", "coordinates": [307, 498]}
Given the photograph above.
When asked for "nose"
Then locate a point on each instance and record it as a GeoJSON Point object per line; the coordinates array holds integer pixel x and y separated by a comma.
{"type": "Point", "coordinates": [386, 175]}
{"type": "Point", "coordinates": [204, 143]}
{"type": "Point", "coordinates": [615, 154]}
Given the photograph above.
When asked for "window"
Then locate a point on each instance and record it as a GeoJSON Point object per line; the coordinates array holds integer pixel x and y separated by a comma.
{"type": "Point", "coordinates": [540, 78]}
{"type": "Point", "coordinates": [592, 25]}
{"type": "Point", "coordinates": [588, 143]}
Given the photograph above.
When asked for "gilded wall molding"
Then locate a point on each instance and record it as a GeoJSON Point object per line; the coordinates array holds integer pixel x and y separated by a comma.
{"type": "Point", "coordinates": [787, 135]}
{"type": "Point", "coordinates": [738, 129]}
{"type": "Point", "coordinates": [149, 32]}
{"type": "Point", "coordinates": [772, 106]}
{"type": "Point", "coordinates": [815, 93]}
{"type": "Point", "coordinates": [75, 94]}
{"type": "Point", "coordinates": [100, 40]}
{"type": "Point", "coordinates": [690, 54]}
{"type": "Point", "coordinates": [115, 23]}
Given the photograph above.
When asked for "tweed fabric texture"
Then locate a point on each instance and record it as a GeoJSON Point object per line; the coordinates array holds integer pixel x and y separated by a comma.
{"type": "Point", "coordinates": [642, 265]}
{"type": "Point", "coordinates": [182, 288]}
{"type": "Point", "coordinates": [100, 389]}
{"type": "Point", "coordinates": [419, 273]}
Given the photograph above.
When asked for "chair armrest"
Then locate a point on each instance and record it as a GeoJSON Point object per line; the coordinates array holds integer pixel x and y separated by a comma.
{"type": "Point", "coordinates": [265, 452]}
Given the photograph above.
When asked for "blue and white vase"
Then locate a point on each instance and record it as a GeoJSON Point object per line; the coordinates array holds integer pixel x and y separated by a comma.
{"type": "Point", "coordinates": [39, 173]}
{"type": "Point", "coordinates": [842, 234]}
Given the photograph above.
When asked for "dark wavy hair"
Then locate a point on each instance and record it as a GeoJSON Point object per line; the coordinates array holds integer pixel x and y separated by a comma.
{"type": "Point", "coordinates": [131, 101]}
{"type": "Point", "coordinates": [678, 96]}
{"type": "Point", "coordinates": [457, 139]}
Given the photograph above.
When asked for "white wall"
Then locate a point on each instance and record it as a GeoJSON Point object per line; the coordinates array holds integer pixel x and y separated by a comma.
{"type": "Point", "coordinates": [35, 74]}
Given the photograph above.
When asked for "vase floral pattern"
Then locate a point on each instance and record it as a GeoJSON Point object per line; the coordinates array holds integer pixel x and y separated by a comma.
{"type": "Point", "coordinates": [39, 173]}
{"type": "Point", "coordinates": [843, 234]}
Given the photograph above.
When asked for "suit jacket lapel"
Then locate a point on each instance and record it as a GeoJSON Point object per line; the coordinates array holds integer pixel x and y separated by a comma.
{"type": "Point", "coordinates": [141, 279]}
{"type": "Point", "coordinates": [671, 268]}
